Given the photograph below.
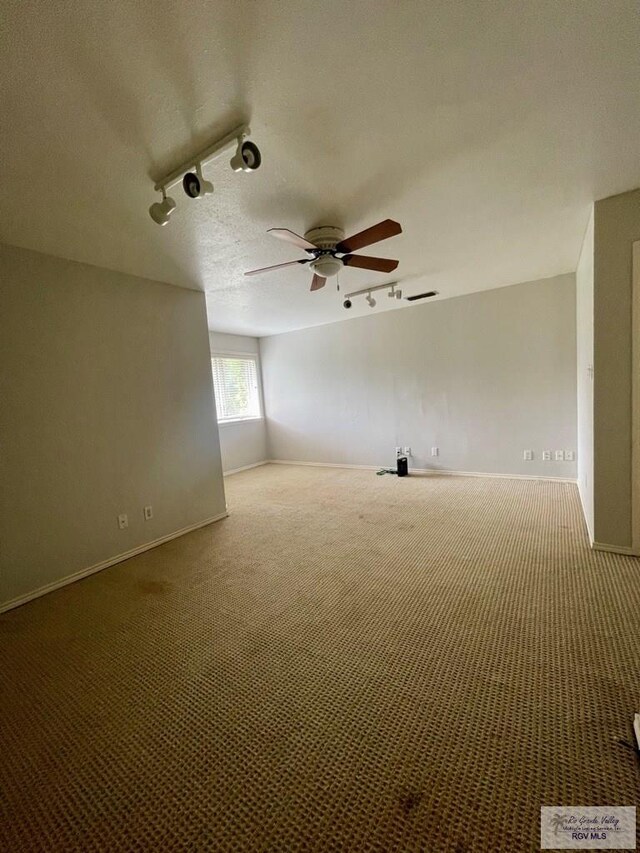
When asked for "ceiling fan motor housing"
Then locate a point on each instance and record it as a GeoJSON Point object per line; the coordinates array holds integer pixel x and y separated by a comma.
{"type": "Point", "coordinates": [325, 237]}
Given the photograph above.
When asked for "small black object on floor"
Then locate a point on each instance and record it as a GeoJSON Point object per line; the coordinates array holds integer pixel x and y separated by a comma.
{"type": "Point", "coordinates": [402, 468]}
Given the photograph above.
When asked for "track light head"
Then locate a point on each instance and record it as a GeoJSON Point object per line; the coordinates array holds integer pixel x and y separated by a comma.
{"type": "Point", "coordinates": [247, 157]}
{"type": "Point", "coordinates": [371, 301]}
{"type": "Point", "coordinates": [160, 211]}
{"type": "Point", "coordinates": [398, 294]}
{"type": "Point", "coordinates": [195, 185]}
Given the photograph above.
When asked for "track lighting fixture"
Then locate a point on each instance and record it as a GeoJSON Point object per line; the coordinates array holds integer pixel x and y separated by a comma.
{"type": "Point", "coordinates": [368, 291]}
{"type": "Point", "coordinates": [160, 211]}
{"type": "Point", "coordinates": [393, 291]}
{"type": "Point", "coordinates": [246, 159]}
{"type": "Point", "coordinates": [195, 185]}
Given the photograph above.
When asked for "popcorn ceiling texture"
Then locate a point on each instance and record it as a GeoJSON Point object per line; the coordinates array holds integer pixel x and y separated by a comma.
{"type": "Point", "coordinates": [485, 129]}
{"type": "Point", "coordinates": [348, 662]}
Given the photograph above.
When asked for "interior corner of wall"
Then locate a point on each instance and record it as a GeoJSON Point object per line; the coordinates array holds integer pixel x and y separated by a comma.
{"type": "Point", "coordinates": [267, 437]}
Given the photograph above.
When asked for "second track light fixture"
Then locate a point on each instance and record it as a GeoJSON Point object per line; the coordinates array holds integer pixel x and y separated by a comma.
{"type": "Point", "coordinates": [247, 158]}
{"type": "Point", "coordinates": [392, 287]}
{"type": "Point", "coordinates": [394, 291]}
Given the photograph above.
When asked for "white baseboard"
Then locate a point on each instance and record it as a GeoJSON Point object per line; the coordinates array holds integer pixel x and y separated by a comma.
{"type": "Point", "coordinates": [245, 468]}
{"type": "Point", "coordinates": [324, 464]}
{"type": "Point", "coordinates": [439, 471]}
{"type": "Point", "coordinates": [613, 549]}
{"type": "Point", "coordinates": [83, 573]}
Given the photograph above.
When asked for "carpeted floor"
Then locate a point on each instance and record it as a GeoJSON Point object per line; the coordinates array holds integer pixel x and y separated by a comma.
{"type": "Point", "coordinates": [348, 662]}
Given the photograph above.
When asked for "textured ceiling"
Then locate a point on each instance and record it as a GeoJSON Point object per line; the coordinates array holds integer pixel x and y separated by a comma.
{"type": "Point", "coordinates": [484, 128]}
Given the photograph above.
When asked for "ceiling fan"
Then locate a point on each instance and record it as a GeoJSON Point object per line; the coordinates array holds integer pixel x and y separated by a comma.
{"type": "Point", "coordinates": [326, 243]}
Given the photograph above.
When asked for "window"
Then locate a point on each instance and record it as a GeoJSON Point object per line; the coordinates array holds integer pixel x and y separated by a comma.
{"type": "Point", "coordinates": [235, 385]}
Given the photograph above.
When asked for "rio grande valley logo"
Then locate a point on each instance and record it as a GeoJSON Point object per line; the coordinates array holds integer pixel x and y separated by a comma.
{"type": "Point", "coordinates": [588, 828]}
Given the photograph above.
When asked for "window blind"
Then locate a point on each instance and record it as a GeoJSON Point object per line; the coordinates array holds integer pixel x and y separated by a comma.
{"type": "Point", "coordinates": [235, 385]}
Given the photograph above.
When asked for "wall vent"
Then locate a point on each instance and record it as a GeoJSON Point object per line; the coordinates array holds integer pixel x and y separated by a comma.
{"type": "Point", "coordinates": [422, 295]}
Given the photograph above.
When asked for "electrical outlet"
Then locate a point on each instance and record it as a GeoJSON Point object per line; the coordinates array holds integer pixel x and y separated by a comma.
{"type": "Point", "coordinates": [407, 451]}
{"type": "Point", "coordinates": [569, 456]}
{"type": "Point", "coordinates": [528, 456]}
{"type": "Point", "coordinates": [123, 521]}
{"type": "Point", "coordinates": [435, 451]}
{"type": "Point", "coordinates": [559, 455]}
{"type": "Point", "coordinates": [148, 513]}
{"type": "Point", "coordinates": [398, 452]}
{"type": "Point", "coordinates": [546, 456]}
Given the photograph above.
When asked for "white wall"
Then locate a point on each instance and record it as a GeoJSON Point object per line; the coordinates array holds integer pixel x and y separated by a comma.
{"type": "Point", "coordinates": [245, 442]}
{"type": "Point", "coordinates": [106, 407]}
{"type": "Point", "coordinates": [584, 335]}
{"type": "Point", "coordinates": [616, 227]}
{"type": "Point", "coordinates": [483, 377]}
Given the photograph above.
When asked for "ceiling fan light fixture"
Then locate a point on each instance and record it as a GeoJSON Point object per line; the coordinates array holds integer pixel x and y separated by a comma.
{"type": "Point", "coordinates": [326, 266]}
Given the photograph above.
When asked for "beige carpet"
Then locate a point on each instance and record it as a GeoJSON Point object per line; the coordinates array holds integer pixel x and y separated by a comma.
{"type": "Point", "coordinates": [348, 662]}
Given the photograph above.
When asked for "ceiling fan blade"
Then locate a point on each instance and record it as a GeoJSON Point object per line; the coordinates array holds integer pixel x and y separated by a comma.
{"type": "Point", "coordinates": [381, 231]}
{"type": "Point", "coordinates": [317, 282]}
{"type": "Point", "coordinates": [292, 237]}
{"type": "Point", "coordinates": [279, 266]}
{"type": "Point", "coordinates": [367, 263]}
